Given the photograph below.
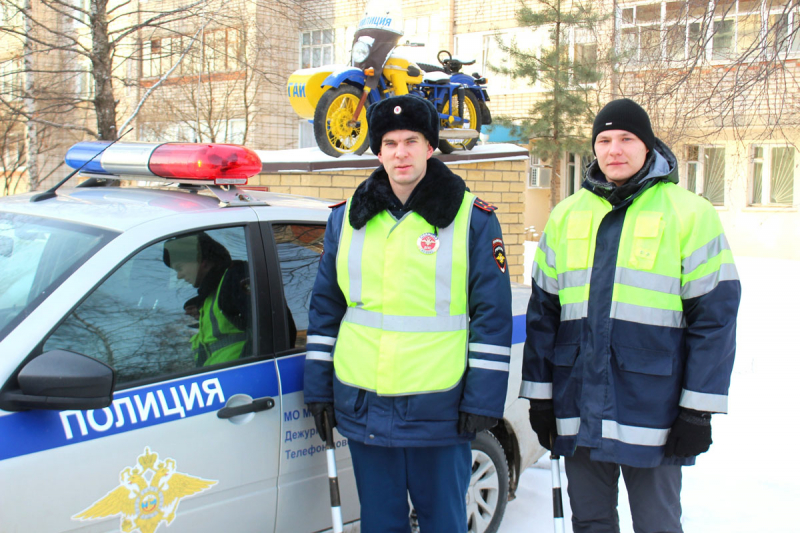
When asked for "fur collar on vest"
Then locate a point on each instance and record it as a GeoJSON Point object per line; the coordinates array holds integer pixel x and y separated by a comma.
{"type": "Point", "coordinates": [436, 198]}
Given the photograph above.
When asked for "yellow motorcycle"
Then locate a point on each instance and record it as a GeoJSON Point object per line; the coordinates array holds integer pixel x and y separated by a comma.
{"type": "Point", "coordinates": [336, 97]}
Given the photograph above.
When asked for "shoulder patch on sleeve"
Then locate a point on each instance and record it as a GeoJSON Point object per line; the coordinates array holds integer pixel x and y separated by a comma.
{"type": "Point", "coordinates": [480, 204]}
{"type": "Point", "coordinates": [337, 205]}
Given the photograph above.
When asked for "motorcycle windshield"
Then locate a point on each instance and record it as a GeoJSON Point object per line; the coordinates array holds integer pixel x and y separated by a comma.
{"type": "Point", "coordinates": [378, 32]}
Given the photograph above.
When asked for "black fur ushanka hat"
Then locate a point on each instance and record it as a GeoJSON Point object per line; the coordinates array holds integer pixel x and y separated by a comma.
{"type": "Point", "coordinates": [405, 112]}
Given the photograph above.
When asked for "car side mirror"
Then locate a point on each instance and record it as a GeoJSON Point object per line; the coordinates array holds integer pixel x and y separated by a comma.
{"type": "Point", "coordinates": [59, 380]}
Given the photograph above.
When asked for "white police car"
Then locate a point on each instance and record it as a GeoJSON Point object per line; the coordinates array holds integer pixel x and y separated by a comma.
{"type": "Point", "coordinates": [108, 419]}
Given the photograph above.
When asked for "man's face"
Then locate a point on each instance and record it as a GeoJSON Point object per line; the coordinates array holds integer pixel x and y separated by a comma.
{"type": "Point", "coordinates": [189, 272]}
{"type": "Point", "coordinates": [620, 154]}
{"type": "Point", "coordinates": [404, 154]}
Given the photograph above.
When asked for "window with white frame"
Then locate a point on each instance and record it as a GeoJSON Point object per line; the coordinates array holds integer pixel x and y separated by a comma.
{"type": "Point", "coordinates": [718, 30]}
{"type": "Point", "coordinates": [705, 172]}
{"type": "Point", "coordinates": [483, 47]}
{"type": "Point", "coordinates": [583, 47]}
{"type": "Point", "coordinates": [10, 15]}
{"type": "Point", "coordinates": [772, 175]}
{"type": "Point", "coordinates": [306, 134]}
{"type": "Point", "coordinates": [539, 176]}
{"type": "Point", "coordinates": [85, 79]}
{"type": "Point", "coordinates": [576, 165]}
{"type": "Point", "coordinates": [220, 50]}
{"type": "Point", "coordinates": [418, 30]}
{"type": "Point", "coordinates": [11, 76]}
{"type": "Point", "coordinates": [316, 48]}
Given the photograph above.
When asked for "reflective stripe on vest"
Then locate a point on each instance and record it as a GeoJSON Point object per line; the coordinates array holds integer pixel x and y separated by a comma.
{"type": "Point", "coordinates": [658, 266]}
{"type": "Point", "coordinates": [405, 328]}
{"type": "Point", "coordinates": [225, 342]}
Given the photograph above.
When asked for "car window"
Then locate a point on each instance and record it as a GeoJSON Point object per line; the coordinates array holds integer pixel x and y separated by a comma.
{"type": "Point", "coordinates": [177, 305]}
{"type": "Point", "coordinates": [36, 256]}
{"type": "Point", "coordinates": [299, 250]}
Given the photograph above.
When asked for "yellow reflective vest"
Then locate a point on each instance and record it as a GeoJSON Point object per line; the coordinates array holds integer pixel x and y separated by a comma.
{"type": "Point", "coordinates": [405, 330]}
{"type": "Point", "coordinates": [217, 340]}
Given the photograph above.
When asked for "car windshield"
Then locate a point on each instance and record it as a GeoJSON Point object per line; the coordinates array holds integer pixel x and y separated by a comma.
{"type": "Point", "coordinates": [36, 256]}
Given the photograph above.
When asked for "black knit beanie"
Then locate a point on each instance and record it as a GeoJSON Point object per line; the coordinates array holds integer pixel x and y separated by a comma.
{"type": "Point", "coordinates": [405, 112]}
{"type": "Point", "coordinates": [624, 114]}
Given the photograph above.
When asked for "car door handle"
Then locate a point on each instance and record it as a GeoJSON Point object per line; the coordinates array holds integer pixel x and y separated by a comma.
{"type": "Point", "coordinates": [260, 404]}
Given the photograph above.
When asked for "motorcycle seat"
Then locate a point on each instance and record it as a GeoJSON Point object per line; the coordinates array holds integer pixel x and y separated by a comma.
{"type": "Point", "coordinates": [437, 78]}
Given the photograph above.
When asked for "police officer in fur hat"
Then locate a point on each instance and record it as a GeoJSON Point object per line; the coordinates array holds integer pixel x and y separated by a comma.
{"type": "Point", "coordinates": [631, 328]}
{"type": "Point", "coordinates": [410, 326]}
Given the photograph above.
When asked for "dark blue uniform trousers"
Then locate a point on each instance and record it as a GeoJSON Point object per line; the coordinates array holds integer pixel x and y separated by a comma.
{"type": "Point", "coordinates": [654, 495]}
{"type": "Point", "coordinates": [436, 478]}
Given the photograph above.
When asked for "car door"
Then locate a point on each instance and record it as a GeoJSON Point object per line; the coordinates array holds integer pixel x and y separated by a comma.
{"type": "Point", "coordinates": [184, 444]}
{"type": "Point", "coordinates": [293, 251]}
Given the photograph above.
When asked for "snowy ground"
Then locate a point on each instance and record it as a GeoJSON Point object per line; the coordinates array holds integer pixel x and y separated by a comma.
{"type": "Point", "coordinates": [749, 482]}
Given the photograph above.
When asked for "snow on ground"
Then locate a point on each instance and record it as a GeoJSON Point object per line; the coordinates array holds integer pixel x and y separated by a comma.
{"type": "Point", "coordinates": [749, 481]}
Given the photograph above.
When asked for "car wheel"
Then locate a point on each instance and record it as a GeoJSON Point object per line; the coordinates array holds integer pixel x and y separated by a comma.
{"type": "Point", "coordinates": [487, 494]}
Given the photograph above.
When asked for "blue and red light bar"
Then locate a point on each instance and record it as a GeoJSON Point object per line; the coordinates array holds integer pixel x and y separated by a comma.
{"type": "Point", "coordinates": [219, 164]}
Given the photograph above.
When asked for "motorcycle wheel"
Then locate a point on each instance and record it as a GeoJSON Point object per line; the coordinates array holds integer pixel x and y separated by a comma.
{"type": "Point", "coordinates": [331, 131]}
{"type": "Point", "coordinates": [472, 117]}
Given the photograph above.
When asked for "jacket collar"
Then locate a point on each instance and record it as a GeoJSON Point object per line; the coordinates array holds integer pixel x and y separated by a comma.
{"type": "Point", "coordinates": [436, 198]}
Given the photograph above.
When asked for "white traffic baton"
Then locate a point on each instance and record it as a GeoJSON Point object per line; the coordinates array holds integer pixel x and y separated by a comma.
{"type": "Point", "coordinates": [558, 506]}
{"type": "Point", "coordinates": [333, 476]}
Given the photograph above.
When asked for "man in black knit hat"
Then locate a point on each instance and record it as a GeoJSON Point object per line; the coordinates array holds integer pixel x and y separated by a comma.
{"type": "Point", "coordinates": [630, 329]}
{"type": "Point", "coordinates": [410, 327]}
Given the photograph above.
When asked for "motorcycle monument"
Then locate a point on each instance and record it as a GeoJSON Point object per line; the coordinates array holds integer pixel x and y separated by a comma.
{"type": "Point", "coordinates": [336, 97]}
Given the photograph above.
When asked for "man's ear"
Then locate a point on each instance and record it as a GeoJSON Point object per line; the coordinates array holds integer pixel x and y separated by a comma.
{"type": "Point", "coordinates": [430, 149]}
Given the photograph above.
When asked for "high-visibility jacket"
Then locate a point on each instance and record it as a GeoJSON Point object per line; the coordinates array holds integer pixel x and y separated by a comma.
{"type": "Point", "coordinates": [217, 340]}
{"type": "Point", "coordinates": [418, 419]}
{"type": "Point", "coordinates": [632, 315]}
{"type": "Point", "coordinates": [403, 305]}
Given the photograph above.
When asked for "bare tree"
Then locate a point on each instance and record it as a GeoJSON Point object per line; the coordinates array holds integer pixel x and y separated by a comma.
{"type": "Point", "coordinates": [700, 68]}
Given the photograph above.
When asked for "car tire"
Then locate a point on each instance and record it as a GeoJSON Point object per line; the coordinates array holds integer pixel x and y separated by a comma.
{"type": "Point", "coordinates": [487, 494]}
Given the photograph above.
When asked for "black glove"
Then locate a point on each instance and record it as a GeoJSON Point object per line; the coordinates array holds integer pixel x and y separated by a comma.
{"type": "Point", "coordinates": [470, 423]}
{"type": "Point", "coordinates": [317, 409]}
{"type": "Point", "coordinates": [690, 434]}
{"type": "Point", "coordinates": [543, 422]}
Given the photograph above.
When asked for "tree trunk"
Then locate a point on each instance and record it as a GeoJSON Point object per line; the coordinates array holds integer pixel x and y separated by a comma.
{"type": "Point", "coordinates": [104, 103]}
{"type": "Point", "coordinates": [31, 127]}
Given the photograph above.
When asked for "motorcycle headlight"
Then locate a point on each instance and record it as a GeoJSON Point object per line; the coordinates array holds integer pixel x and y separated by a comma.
{"type": "Point", "coordinates": [360, 51]}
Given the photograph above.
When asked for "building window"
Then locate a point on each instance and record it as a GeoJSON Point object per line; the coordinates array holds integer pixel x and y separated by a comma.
{"type": "Point", "coordinates": [217, 51]}
{"type": "Point", "coordinates": [539, 176]}
{"type": "Point", "coordinates": [316, 48]}
{"type": "Point", "coordinates": [705, 172]}
{"type": "Point", "coordinates": [676, 30]}
{"type": "Point", "coordinates": [306, 134]}
{"type": "Point", "coordinates": [773, 169]}
{"type": "Point", "coordinates": [10, 15]}
{"type": "Point", "coordinates": [11, 76]}
{"type": "Point", "coordinates": [85, 79]}
{"type": "Point", "coordinates": [692, 167]}
{"type": "Point", "coordinates": [576, 165]}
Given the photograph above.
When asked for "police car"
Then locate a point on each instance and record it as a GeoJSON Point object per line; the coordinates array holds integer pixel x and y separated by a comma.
{"type": "Point", "coordinates": [109, 419]}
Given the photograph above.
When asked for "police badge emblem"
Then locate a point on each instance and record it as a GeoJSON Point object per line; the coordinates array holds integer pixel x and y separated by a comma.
{"type": "Point", "coordinates": [428, 243]}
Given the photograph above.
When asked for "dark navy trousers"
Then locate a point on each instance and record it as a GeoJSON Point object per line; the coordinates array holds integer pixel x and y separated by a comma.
{"type": "Point", "coordinates": [654, 495]}
{"type": "Point", "coordinates": [435, 477]}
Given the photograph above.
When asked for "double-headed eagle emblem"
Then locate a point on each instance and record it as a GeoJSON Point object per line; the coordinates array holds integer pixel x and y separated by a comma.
{"type": "Point", "coordinates": [148, 494]}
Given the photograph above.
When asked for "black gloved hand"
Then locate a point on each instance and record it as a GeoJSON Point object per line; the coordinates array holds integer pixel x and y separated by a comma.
{"type": "Point", "coordinates": [470, 423]}
{"type": "Point", "coordinates": [690, 434]}
{"type": "Point", "coordinates": [543, 422]}
{"type": "Point", "coordinates": [317, 409]}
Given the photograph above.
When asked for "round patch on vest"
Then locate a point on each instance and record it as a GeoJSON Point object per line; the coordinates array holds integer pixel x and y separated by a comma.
{"type": "Point", "coordinates": [428, 243]}
{"type": "Point", "coordinates": [398, 110]}
{"type": "Point", "coordinates": [499, 253]}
